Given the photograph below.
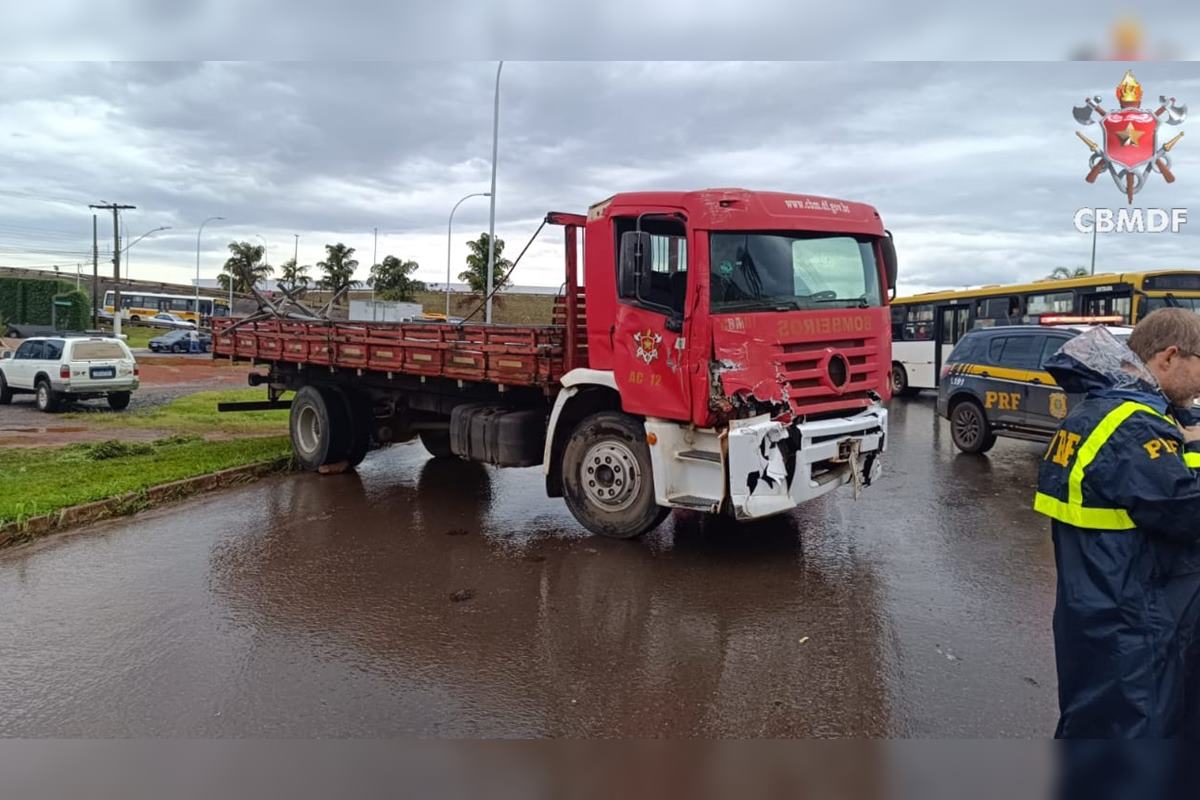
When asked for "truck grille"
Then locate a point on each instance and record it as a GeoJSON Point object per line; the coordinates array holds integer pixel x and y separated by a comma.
{"type": "Point", "coordinates": [831, 375]}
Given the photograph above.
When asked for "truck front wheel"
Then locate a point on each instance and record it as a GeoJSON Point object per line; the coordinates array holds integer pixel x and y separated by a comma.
{"type": "Point", "coordinates": [317, 422]}
{"type": "Point", "coordinates": [608, 481]}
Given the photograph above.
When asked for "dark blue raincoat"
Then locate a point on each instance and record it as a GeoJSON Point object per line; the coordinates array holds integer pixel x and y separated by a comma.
{"type": "Point", "coordinates": [1123, 490]}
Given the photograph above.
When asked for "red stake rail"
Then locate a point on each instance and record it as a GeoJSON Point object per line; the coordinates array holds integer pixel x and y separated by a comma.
{"type": "Point", "coordinates": [513, 355]}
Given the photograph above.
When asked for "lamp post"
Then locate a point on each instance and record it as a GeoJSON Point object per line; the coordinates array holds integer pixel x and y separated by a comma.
{"type": "Point", "coordinates": [449, 226]}
{"type": "Point", "coordinates": [125, 249]}
{"type": "Point", "coordinates": [492, 193]}
{"type": "Point", "coordinates": [198, 232]}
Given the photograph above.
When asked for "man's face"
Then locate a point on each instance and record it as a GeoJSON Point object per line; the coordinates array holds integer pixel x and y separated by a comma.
{"type": "Point", "coordinates": [1178, 374]}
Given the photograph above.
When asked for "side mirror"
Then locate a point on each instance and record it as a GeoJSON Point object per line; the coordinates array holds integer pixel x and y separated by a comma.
{"type": "Point", "coordinates": [890, 267]}
{"type": "Point", "coordinates": [634, 263]}
{"type": "Point", "coordinates": [6, 354]}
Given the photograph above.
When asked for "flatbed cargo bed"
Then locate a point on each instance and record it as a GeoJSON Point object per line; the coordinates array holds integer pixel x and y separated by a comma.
{"type": "Point", "coordinates": [510, 355]}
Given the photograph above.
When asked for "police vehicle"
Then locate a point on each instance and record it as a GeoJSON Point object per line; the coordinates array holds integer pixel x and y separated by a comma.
{"type": "Point", "coordinates": [995, 383]}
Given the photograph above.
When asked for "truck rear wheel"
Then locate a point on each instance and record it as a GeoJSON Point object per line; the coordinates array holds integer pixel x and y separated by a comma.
{"type": "Point", "coordinates": [437, 443]}
{"type": "Point", "coordinates": [358, 426]}
{"type": "Point", "coordinates": [317, 425]}
{"type": "Point", "coordinates": [608, 480]}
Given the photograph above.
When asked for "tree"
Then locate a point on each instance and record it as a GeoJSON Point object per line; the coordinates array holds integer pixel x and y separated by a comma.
{"type": "Point", "coordinates": [245, 267]}
{"type": "Point", "coordinates": [338, 267]}
{"type": "Point", "coordinates": [1062, 273]}
{"type": "Point", "coordinates": [477, 261]}
{"type": "Point", "coordinates": [391, 279]}
{"type": "Point", "coordinates": [292, 277]}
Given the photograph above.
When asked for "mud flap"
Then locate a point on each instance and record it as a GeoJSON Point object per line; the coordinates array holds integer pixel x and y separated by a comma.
{"type": "Point", "coordinates": [758, 480]}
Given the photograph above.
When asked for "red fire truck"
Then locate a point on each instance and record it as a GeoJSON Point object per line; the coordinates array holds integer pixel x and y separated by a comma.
{"type": "Point", "coordinates": [724, 350]}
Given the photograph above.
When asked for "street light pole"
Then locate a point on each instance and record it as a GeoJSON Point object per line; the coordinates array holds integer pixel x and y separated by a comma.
{"type": "Point", "coordinates": [1093, 247]}
{"type": "Point", "coordinates": [449, 226]}
{"type": "Point", "coordinates": [198, 232]}
{"type": "Point", "coordinates": [492, 213]}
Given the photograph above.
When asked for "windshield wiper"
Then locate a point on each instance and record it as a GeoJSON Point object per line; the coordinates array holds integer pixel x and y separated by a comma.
{"type": "Point", "coordinates": [857, 302]}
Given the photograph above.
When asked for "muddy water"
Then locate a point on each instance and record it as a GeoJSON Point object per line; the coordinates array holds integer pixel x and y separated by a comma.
{"type": "Point", "coordinates": [448, 599]}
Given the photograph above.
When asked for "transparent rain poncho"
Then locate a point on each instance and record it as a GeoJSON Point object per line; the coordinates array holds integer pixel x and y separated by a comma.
{"type": "Point", "coordinates": [1109, 358]}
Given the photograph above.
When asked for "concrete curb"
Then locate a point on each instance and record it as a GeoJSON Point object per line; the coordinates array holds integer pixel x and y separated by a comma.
{"type": "Point", "coordinates": [14, 533]}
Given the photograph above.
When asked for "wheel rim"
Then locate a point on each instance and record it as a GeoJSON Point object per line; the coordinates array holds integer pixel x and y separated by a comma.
{"type": "Point", "coordinates": [897, 380]}
{"type": "Point", "coordinates": [967, 427]}
{"type": "Point", "coordinates": [43, 397]}
{"type": "Point", "coordinates": [308, 429]}
{"type": "Point", "coordinates": [610, 476]}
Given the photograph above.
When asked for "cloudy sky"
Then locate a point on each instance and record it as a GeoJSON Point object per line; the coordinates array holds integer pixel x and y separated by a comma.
{"type": "Point", "coordinates": [974, 166]}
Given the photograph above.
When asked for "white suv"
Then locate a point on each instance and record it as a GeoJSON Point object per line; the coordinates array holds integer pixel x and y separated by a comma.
{"type": "Point", "coordinates": [58, 368]}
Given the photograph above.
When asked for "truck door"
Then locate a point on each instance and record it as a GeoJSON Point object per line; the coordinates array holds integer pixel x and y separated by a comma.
{"type": "Point", "coordinates": [650, 329]}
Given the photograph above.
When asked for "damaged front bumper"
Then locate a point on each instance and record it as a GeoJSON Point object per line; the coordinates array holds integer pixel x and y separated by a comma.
{"type": "Point", "coordinates": [774, 467]}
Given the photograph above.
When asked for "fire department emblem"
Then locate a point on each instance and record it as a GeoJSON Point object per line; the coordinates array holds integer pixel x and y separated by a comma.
{"type": "Point", "coordinates": [1058, 405]}
{"type": "Point", "coordinates": [645, 345]}
{"type": "Point", "coordinates": [1129, 150]}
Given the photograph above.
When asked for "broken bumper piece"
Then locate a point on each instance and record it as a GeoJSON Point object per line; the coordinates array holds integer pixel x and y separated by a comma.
{"type": "Point", "coordinates": [774, 467]}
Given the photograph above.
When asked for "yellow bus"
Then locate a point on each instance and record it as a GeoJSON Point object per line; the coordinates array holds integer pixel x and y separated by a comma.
{"type": "Point", "coordinates": [137, 305]}
{"type": "Point", "coordinates": [925, 327]}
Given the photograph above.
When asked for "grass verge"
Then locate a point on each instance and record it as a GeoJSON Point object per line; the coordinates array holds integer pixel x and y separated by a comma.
{"type": "Point", "coordinates": [197, 414]}
{"type": "Point", "coordinates": [42, 480]}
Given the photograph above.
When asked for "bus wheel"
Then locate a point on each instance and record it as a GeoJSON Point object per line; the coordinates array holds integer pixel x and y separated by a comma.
{"type": "Point", "coordinates": [608, 480]}
{"type": "Point", "coordinates": [900, 387]}
{"type": "Point", "coordinates": [969, 428]}
{"type": "Point", "coordinates": [317, 420]}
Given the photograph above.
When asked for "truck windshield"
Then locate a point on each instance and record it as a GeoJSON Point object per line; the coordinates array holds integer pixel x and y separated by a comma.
{"type": "Point", "coordinates": [773, 271]}
{"type": "Point", "coordinates": [1170, 301]}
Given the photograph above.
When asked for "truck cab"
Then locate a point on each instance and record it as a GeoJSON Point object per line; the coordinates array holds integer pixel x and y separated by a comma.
{"type": "Point", "coordinates": [750, 334]}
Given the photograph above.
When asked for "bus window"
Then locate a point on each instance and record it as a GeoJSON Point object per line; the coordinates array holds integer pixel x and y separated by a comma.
{"type": "Point", "coordinates": [918, 324]}
{"type": "Point", "coordinates": [1056, 303]}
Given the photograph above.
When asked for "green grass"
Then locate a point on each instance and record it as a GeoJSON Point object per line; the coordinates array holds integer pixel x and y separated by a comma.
{"type": "Point", "coordinates": [196, 414]}
{"type": "Point", "coordinates": [135, 335]}
{"type": "Point", "coordinates": [42, 480]}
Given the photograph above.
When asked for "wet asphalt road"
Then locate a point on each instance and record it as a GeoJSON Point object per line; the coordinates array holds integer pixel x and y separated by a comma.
{"type": "Point", "coordinates": [446, 599]}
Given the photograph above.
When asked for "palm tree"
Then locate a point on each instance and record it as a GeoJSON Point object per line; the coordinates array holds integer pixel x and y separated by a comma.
{"type": "Point", "coordinates": [293, 277]}
{"type": "Point", "coordinates": [392, 279]}
{"type": "Point", "coordinates": [1062, 273]}
{"type": "Point", "coordinates": [476, 273]}
{"type": "Point", "coordinates": [338, 267]}
{"type": "Point", "coordinates": [245, 267]}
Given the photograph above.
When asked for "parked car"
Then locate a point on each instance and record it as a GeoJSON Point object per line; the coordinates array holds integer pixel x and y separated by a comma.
{"type": "Point", "coordinates": [995, 384]}
{"type": "Point", "coordinates": [178, 342]}
{"type": "Point", "coordinates": [165, 319]}
{"type": "Point", "coordinates": [63, 368]}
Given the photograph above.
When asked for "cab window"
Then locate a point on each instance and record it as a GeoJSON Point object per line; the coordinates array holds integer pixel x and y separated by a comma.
{"type": "Point", "coordinates": [668, 262]}
{"type": "Point", "coordinates": [1022, 352]}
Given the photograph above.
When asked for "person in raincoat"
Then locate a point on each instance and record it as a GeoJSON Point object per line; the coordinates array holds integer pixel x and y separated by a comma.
{"type": "Point", "coordinates": [1121, 482]}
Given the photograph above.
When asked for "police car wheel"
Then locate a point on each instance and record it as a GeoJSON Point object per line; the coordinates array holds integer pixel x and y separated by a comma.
{"type": "Point", "coordinates": [969, 428]}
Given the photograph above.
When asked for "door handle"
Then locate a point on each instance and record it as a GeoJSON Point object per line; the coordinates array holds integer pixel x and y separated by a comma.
{"type": "Point", "coordinates": [985, 374]}
{"type": "Point", "coordinates": [1038, 381]}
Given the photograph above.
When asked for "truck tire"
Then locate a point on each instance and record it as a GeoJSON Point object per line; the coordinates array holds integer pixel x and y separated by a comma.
{"type": "Point", "coordinates": [437, 443]}
{"type": "Point", "coordinates": [358, 425]}
{"type": "Point", "coordinates": [5, 392]}
{"type": "Point", "coordinates": [47, 398]}
{"type": "Point", "coordinates": [608, 481]}
{"type": "Point", "coordinates": [118, 401]}
{"type": "Point", "coordinates": [317, 426]}
{"type": "Point", "coordinates": [969, 428]}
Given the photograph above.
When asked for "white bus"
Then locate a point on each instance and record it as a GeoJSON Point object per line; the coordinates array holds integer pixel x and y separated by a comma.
{"type": "Point", "coordinates": [137, 305]}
